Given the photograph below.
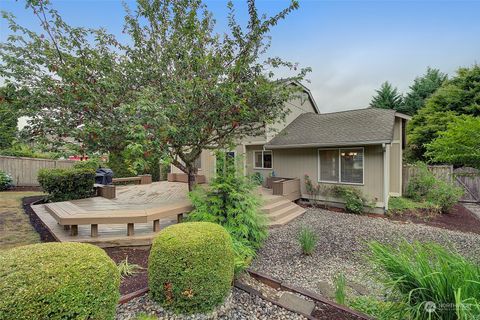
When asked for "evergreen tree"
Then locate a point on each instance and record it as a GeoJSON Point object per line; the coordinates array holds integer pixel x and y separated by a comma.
{"type": "Point", "coordinates": [387, 97]}
{"type": "Point", "coordinates": [421, 89]}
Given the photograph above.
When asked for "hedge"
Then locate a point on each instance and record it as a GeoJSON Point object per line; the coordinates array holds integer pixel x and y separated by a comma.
{"type": "Point", "coordinates": [190, 268]}
{"type": "Point", "coordinates": [67, 184]}
{"type": "Point", "coordinates": [58, 281]}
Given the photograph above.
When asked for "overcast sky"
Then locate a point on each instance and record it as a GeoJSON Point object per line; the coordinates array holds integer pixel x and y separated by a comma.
{"type": "Point", "coordinates": [352, 46]}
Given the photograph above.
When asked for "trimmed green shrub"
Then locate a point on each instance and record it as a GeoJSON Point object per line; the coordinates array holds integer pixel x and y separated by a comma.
{"type": "Point", "coordinates": [444, 195]}
{"type": "Point", "coordinates": [58, 281]}
{"type": "Point", "coordinates": [420, 273]}
{"type": "Point", "coordinates": [6, 181]}
{"type": "Point", "coordinates": [67, 184]}
{"type": "Point", "coordinates": [308, 240]}
{"type": "Point", "coordinates": [191, 267]}
{"type": "Point", "coordinates": [257, 178]}
{"type": "Point", "coordinates": [355, 202]}
{"type": "Point", "coordinates": [230, 201]}
{"type": "Point", "coordinates": [420, 183]}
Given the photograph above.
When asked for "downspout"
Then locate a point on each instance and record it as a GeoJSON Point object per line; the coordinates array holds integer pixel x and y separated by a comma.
{"type": "Point", "coordinates": [386, 175]}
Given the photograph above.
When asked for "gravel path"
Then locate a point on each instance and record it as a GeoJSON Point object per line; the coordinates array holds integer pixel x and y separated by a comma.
{"type": "Point", "coordinates": [341, 243]}
{"type": "Point", "coordinates": [239, 306]}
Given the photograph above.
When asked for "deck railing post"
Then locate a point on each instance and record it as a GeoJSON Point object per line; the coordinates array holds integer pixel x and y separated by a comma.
{"type": "Point", "coordinates": [156, 225]}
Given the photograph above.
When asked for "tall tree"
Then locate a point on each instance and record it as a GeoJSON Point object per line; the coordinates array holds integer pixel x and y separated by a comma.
{"type": "Point", "coordinates": [203, 90]}
{"type": "Point", "coordinates": [9, 114]}
{"type": "Point", "coordinates": [387, 97]}
{"type": "Point", "coordinates": [459, 144]}
{"type": "Point", "coordinates": [75, 79]}
{"type": "Point", "coordinates": [421, 89]}
{"type": "Point", "coordinates": [457, 96]}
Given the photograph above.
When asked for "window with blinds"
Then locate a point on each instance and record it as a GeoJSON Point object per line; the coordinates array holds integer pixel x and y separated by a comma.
{"type": "Point", "coordinates": [341, 165]}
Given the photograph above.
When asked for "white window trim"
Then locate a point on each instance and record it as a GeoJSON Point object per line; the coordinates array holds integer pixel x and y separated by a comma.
{"type": "Point", "coordinates": [340, 166]}
{"type": "Point", "coordinates": [254, 159]}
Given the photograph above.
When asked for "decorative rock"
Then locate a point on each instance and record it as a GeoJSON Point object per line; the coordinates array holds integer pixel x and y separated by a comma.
{"type": "Point", "coordinates": [294, 302]}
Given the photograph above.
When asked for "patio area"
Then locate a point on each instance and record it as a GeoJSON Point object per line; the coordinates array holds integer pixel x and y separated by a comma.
{"type": "Point", "coordinates": [130, 210]}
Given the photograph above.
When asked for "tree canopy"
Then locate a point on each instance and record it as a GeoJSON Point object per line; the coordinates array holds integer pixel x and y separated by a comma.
{"type": "Point", "coordinates": [457, 96]}
{"type": "Point", "coordinates": [387, 97]}
{"type": "Point", "coordinates": [174, 88]}
{"type": "Point", "coordinates": [421, 89]}
{"type": "Point", "coordinates": [459, 144]}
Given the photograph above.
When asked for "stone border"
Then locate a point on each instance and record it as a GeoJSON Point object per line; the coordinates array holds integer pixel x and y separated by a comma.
{"type": "Point", "coordinates": [277, 284]}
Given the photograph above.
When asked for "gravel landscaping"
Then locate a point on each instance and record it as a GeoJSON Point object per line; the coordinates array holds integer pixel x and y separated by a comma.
{"type": "Point", "coordinates": [239, 306]}
{"type": "Point", "coordinates": [340, 248]}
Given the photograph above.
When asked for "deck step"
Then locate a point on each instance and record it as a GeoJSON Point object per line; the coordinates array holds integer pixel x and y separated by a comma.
{"type": "Point", "coordinates": [281, 213]}
{"type": "Point", "coordinates": [298, 212]}
{"type": "Point", "coordinates": [277, 205]}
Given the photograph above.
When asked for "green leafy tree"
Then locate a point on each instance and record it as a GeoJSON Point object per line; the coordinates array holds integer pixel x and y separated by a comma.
{"type": "Point", "coordinates": [202, 90]}
{"type": "Point", "coordinates": [421, 89]}
{"type": "Point", "coordinates": [459, 144]}
{"type": "Point", "coordinates": [75, 78]}
{"type": "Point", "coordinates": [457, 96]}
{"type": "Point", "coordinates": [387, 97]}
{"type": "Point", "coordinates": [9, 115]}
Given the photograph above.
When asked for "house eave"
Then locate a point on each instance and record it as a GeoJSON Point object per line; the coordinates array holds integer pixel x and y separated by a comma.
{"type": "Point", "coordinates": [324, 145]}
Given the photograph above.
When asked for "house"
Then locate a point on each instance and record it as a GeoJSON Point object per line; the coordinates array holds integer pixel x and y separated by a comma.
{"type": "Point", "coordinates": [360, 148]}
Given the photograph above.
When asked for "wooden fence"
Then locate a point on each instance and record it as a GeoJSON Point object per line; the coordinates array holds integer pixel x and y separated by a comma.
{"type": "Point", "coordinates": [466, 178]}
{"type": "Point", "coordinates": [24, 171]}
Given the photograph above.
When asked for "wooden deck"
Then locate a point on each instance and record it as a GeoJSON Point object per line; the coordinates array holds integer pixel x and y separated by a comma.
{"type": "Point", "coordinates": [134, 197]}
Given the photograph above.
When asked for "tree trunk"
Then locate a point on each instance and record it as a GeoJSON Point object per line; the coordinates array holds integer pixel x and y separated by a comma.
{"type": "Point", "coordinates": [191, 179]}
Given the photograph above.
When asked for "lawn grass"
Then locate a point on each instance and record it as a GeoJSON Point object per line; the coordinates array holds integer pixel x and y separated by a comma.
{"type": "Point", "coordinates": [401, 204]}
{"type": "Point", "coordinates": [15, 227]}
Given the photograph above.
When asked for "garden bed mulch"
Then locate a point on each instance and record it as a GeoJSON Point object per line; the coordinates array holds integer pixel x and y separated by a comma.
{"type": "Point", "coordinates": [458, 219]}
{"type": "Point", "coordinates": [134, 255]}
{"type": "Point", "coordinates": [45, 235]}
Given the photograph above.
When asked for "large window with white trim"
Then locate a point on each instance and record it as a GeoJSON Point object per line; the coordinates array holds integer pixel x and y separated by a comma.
{"type": "Point", "coordinates": [263, 159]}
{"type": "Point", "coordinates": [343, 165]}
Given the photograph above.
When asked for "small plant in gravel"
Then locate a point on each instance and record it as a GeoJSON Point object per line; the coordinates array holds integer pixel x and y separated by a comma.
{"type": "Point", "coordinates": [144, 316]}
{"type": "Point", "coordinates": [340, 288]}
{"type": "Point", "coordinates": [6, 182]}
{"type": "Point", "coordinates": [127, 269]}
{"type": "Point", "coordinates": [308, 240]}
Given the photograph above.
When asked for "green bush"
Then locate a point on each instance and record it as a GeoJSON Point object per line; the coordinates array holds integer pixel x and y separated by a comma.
{"type": "Point", "coordinates": [420, 183]}
{"type": "Point", "coordinates": [120, 168]}
{"type": "Point", "coordinates": [92, 164]}
{"type": "Point", "coordinates": [191, 267]}
{"type": "Point", "coordinates": [6, 181]}
{"type": "Point", "coordinates": [230, 201]}
{"type": "Point", "coordinates": [417, 273]}
{"type": "Point", "coordinates": [257, 178]}
{"type": "Point", "coordinates": [355, 202]}
{"type": "Point", "coordinates": [401, 204]}
{"type": "Point", "coordinates": [67, 184]}
{"type": "Point", "coordinates": [423, 186]}
{"type": "Point", "coordinates": [308, 240]}
{"type": "Point", "coordinates": [58, 281]}
{"type": "Point", "coordinates": [378, 309]}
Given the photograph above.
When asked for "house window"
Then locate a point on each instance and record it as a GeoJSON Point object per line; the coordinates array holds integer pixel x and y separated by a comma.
{"type": "Point", "coordinates": [341, 165]}
{"type": "Point", "coordinates": [263, 159]}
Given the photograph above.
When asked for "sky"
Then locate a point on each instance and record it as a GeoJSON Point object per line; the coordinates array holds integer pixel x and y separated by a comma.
{"type": "Point", "coordinates": [351, 46]}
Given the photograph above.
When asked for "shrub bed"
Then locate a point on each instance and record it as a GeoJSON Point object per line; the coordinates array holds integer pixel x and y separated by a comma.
{"type": "Point", "coordinates": [67, 184]}
{"type": "Point", "coordinates": [190, 268]}
{"type": "Point", "coordinates": [58, 281]}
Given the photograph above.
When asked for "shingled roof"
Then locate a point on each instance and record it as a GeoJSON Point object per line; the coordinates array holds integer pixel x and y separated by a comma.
{"type": "Point", "coordinates": [345, 128]}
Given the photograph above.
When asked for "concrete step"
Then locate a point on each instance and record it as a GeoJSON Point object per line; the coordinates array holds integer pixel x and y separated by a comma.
{"type": "Point", "coordinates": [281, 213]}
{"type": "Point", "coordinates": [276, 205]}
{"type": "Point", "coordinates": [298, 212]}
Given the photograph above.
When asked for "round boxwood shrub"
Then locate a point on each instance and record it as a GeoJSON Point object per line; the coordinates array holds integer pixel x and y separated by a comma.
{"type": "Point", "coordinates": [190, 268]}
{"type": "Point", "coordinates": [58, 281]}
